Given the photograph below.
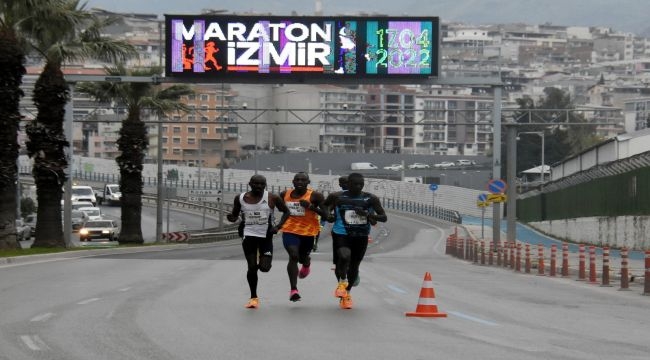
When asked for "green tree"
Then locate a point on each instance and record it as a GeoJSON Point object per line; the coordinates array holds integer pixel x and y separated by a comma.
{"type": "Point", "coordinates": [139, 99]}
{"type": "Point", "coordinates": [71, 34]}
{"type": "Point", "coordinates": [15, 19]}
{"type": "Point", "coordinates": [561, 141]}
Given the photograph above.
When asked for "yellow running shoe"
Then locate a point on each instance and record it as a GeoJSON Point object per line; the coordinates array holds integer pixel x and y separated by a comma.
{"type": "Point", "coordinates": [341, 290]}
{"type": "Point", "coordinates": [253, 303]}
{"type": "Point", "coordinates": [346, 302]}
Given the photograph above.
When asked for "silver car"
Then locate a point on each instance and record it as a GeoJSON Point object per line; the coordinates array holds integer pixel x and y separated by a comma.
{"type": "Point", "coordinates": [99, 229]}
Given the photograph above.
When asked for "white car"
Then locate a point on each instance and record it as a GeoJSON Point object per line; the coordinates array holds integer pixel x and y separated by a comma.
{"type": "Point", "coordinates": [394, 167]}
{"type": "Point", "coordinates": [463, 162]}
{"type": "Point", "coordinates": [444, 164]}
{"type": "Point", "coordinates": [418, 166]}
{"type": "Point", "coordinates": [93, 213]}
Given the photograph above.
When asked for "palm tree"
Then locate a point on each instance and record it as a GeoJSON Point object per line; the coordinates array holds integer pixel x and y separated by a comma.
{"type": "Point", "coordinates": [14, 17]}
{"type": "Point", "coordinates": [72, 35]}
{"type": "Point", "coordinates": [139, 99]}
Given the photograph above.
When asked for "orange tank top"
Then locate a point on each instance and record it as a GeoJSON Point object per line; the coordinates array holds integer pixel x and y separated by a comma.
{"type": "Point", "coordinates": [301, 221]}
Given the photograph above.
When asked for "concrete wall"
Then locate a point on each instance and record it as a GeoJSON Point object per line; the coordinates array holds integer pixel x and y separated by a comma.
{"type": "Point", "coordinates": [632, 232]}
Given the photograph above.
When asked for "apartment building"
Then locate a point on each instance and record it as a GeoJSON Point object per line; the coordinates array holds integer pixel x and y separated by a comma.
{"type": "Point", "coordinates": [453, 121]}
{"type": "Point", "coordinates": [392, 107]}
{"type": "Point", "coordinates": [197, 138]}
{"type": "Point", "coordinates": [342, 118]}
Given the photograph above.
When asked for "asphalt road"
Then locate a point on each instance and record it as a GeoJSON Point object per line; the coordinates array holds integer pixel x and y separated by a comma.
{"type": "Point", "coordinates": [188, 304]}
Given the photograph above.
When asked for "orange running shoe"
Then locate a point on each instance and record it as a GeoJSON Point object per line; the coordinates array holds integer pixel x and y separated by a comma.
{"type": "Point", "coordinates": [341, 289]}
{"type": "Point", "coordinates": [346, 302]}
{"type": "Point", "coordinates": [253, 303]}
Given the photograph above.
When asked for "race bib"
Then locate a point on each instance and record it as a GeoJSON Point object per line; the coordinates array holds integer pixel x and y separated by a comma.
{"type": "Point", "coordinates": [255, 218]}
{"type": "Point", "coordinates": [352, 218]}
{"type": "Point", "coordinates": [295, 209]}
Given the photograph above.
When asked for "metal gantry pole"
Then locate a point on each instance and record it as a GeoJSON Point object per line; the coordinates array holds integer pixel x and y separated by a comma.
{"type": "Point", "coordinates": [159, 188]}
{"type": "Point", "coordinates": [511, 191]}
{"type": "Point", "coordinates": [496, 163]}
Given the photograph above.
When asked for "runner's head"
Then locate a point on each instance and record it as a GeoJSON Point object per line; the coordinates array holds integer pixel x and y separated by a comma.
{"type": "Point", "coordinates": [355, 183]}
{"type": "Point", "coordinates": [257, 184]}
{"type": "Point", "coordinates": [300, 181]}
{"type": "Point", "coordinates": [343, 182]}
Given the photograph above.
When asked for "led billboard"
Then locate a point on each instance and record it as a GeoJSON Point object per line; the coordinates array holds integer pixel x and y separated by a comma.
{"type": "Point", "coordinates": [279, 49]}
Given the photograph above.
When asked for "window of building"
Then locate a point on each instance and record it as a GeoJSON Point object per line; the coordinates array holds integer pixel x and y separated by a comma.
{"type": "Point", "coordinates": [176, 151]}
{"type": "Point", "coordinates": [164, 140]}
{"type": "Point", "coordinates": [191, 130]}
{"type": "Point", "coordinates": [205, 97]}
{"type": "Point", "coordinates": [164, 129]}
{"type": "Point", "coordinates": [177, 129]}
{"type": "Point", "coordinates": [177, 118]}
{"type": "Point", "coordinates": [191, 141]}
{"type": "Point", "coordinates": [191, 97]}
{"type": "Point", "coordinates": [176, 140]}
{"type": "Point", "coordinates": [204, 130]}
{"type": "Point", "coordinates": [204, 118]}
{"type": "Point", "coordinates": [191, 118]}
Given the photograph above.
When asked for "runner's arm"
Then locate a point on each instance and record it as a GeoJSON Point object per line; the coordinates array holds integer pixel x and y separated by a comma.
{"type": "Point", "coordinates": [236, 208]}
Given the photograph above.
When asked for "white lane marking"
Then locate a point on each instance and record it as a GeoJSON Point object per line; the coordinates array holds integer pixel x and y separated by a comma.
{"type": "Point", "coordinates": [87, 301]}
{"type": "Point", "coordinates": [396, 289]}
{"type": "Point", "coordinates": [125, 289]}
{"type": "Point", "coordinates": [472, 318]}
{"type": "Point", "coordinates": [34, 342]}
{"type": "Point", "coordinates": [41, 317]}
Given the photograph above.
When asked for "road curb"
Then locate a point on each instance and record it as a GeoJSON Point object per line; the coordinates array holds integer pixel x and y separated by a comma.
{"type": "Point", "coordinates": [66, 255]}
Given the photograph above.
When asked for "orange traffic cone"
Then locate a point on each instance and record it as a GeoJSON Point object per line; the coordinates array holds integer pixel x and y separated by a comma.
{"type": "Point", "coordinates": [426, 306]}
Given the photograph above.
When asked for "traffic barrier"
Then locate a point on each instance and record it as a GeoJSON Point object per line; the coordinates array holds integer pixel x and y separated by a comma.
{"type": "Point", "coordinates": [592, 265]}
{"type": "Point", "coordinates": [512, 254]}
{"type": "Point", "coordinates": [475, 252]}
{"type": "Point", "coordinates": [499, 251]}
{"type": "Point", "coordinates": [490, 255]}
{"type": "Point", "coordinates": [565, 259]}
{"type": "Point", "coordinates": [482, 252]}
{"type": "Point", "coordinates": [506, 259]}
{"type": "Point", "coordinates": [461, 248]}
{"type": "Point", "coordinates": [540, 259]}
{"type": "Point", "coordinates": [527, 259]}
{"type": "Point", "coordinates": [551, 271]}
{"type": "Point", "coordinates": [518, 258]}
{"type": "Point", "coordinates": [605, 276]}
{"type": "Point", "coordinates": [426, 305]}
{"type": "Point", "coordinates": [646, 285]}
{"type": "Point", "coordinates": [581, 263]}
{"type": "Point", "coordinates": [625, 274]}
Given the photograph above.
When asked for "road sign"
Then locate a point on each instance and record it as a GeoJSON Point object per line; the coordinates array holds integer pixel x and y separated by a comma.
{"type": "Point", "coordinates": [176, 236]}
{"type": "Point", "coordinates": [205, 192]}
{"type": "Point", "coordinates": [497, 186]}
{"type": "Point", "coordinates": [497, 198]}
{"type": "Point", "coordinates": [204, 198]}
{"type": "Point", "coordinates": [482, 197]}
{"type": "Point", "coordinates": [433, 187]}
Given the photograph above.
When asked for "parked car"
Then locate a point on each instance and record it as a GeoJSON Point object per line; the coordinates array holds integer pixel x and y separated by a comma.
{"type": "Point", "coordinates": [394, 167]}
{"type": "Point", "coordinates": [23, 232]}
{"type": "Point", "coordinates": [99, 229]}
{"type": "Point", "coordinates": [444, 164]}
{"type": "Point", "coordinates": [463, 162]}
{"type": "Point", "coordinates": [363, 166]}
{"type": "Point", "coordinates": [93, 213]}
{"type": "Point", "coordinates": [418, 166]}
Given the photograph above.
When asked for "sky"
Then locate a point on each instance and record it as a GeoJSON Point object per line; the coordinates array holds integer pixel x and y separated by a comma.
{"type": "Point", "coordinates": [623, 15]}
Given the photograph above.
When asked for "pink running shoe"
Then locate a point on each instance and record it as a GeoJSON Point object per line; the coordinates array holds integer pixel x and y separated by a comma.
{"type": "Point", "coordinates": [304, 271]}
{"type": "Point", "coordinates": [294, 296]}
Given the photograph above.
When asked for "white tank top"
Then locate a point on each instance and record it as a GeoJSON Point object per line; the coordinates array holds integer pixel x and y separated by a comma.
{"type": "Point", "coordinates": [256, 216]}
